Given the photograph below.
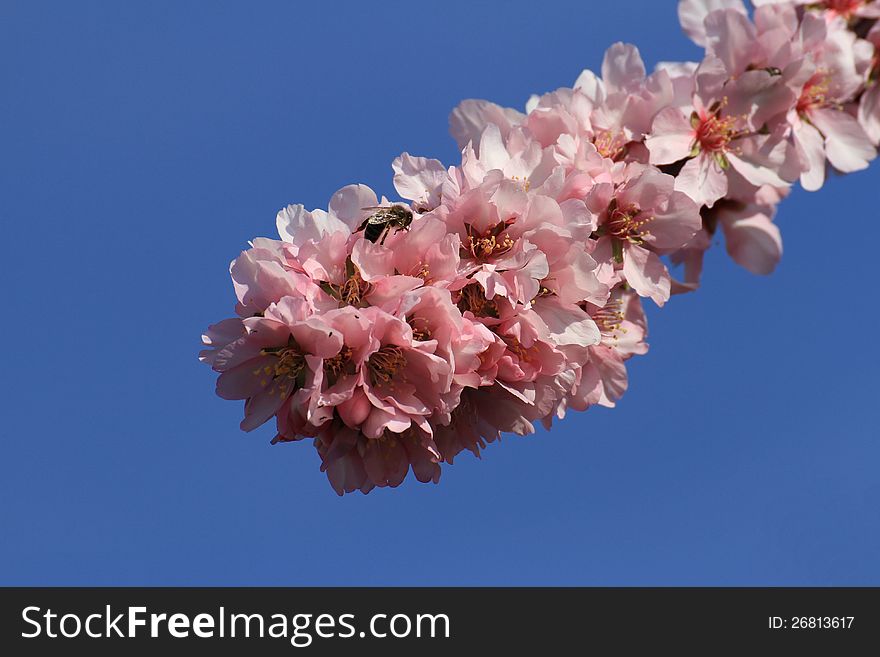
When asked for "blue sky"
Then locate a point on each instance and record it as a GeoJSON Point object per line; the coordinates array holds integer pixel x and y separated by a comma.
{"type": "Point", "coordinates": [145, 143]}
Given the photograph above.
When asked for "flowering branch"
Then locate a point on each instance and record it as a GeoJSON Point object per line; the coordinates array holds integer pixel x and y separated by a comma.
{"type": "Point", "coordinates": [508, 288]}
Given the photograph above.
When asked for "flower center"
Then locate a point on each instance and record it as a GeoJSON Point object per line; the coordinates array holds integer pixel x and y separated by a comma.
{"type": "Point", "coordinates": [627, 224]}
{"type": "Point", "coordinates": [384, 364]}
{"type": "Point", "coordinates": [353, 291]}
{"type": "Point", "coordinates": [491, 243]}
{"type": "Point", "coordinates": [609, 318]}
{"type": "Point", "coordinates": [609, 144]}
{"type": "Point", "coordinates": [713, 133]}
{"type": "Point", "coordinates": [516, 347]}
{"type": "Point", "coordinates": [288, 371]}
{"type": "Point", "coordinates": [290, 363]}
{"type": "Point", "coordinates": [815, 93]}
{"type": "Point", "coordinates": [473, 298]}
{"type": "Point", "coordinates": [338, 365]}
{"type": "Point", "coordinates": [420, 329]}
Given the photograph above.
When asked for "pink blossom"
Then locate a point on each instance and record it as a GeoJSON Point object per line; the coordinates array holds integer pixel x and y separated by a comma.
{"type": "Point", "coordinates": [459, 341]}
{"type": "Point", "coordinates": [506, 290]}
{"type": "Point", "coordinates": [603, 379]}
{"type": "Point", "coordinates": [640, 216]}
{"type": "Point", "coordinates": [625, 99]}
{"type": "Point", "coordinates": [517, 157]}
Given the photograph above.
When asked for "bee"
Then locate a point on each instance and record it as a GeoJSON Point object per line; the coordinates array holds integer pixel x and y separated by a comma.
{"type": "Point", "coordinates": [379, 224]}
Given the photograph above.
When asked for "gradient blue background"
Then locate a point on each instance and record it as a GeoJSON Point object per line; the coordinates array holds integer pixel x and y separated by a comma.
{"type": "Point", "coordinates": [144, 143]}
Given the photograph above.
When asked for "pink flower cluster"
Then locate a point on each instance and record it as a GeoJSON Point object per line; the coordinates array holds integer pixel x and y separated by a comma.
{"type": "Point", "coordinates": [508, 288]}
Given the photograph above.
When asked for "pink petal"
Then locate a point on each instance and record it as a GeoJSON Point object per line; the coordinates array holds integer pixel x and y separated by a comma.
{"type": "Point", "coordinates": [347, 205]}
{"type": "Point", "coordinates": [470, 118]}
{"type": "Point", "coordinates": [811, 146]}
{"type": "Point", "coordinates": [754, 242]}
{"type": "Point", "coordinates": [703, 180]}
{"type": "Point", "coordinates": [418, 178]}
{"type": "Point", "coordinates": [671, 138]}
{"type": "Point", "coordinates": [847, 146]}
{"type": "Point", "coordinates": [647, 275]}
{"type": "Point", "coordinates": [259, 409]}
{"type": "Point", "coordinates": [692, 14]}
{"type": "Point", "coordinates": [622, 68]}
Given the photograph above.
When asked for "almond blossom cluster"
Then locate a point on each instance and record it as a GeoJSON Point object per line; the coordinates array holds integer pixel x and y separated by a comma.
{"type": "Point", "coordinates": [508, 288]}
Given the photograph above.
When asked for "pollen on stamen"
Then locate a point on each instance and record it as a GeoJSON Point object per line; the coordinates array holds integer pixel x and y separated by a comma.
{"type": "Point", "coordinates": [286, 372]}
{"type": "Point", "coordinates": [517, 348]}
{"type": "Point", "coordinates": [472, 298]}
{"type": "Point", "coordinates": [714, 134]}
{"type": "Point", "coordinates": [815, 93]}
{"type": "Point", "coordinates": [354, 289]}
{"type": "Point", "coordinates": [491, 243]}
{"type": "Point", "coordinates": [421, 331]}
{"type": "Point", "coordinates": [609, 319]}
{"type": "Point", "coordinates": [338, 365]}
{"type": "Point", "coordinates": [843, 8]}
{"type": "Point", "coordinates": [524, 182]}
{"type": "Point", "coordinates": [385, 364]}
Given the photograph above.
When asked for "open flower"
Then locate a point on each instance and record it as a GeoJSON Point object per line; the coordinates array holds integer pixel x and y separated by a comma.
{"type": "Point", "coordinates": [277, 360]}
{"type": "Point", "coordinates": [821, 127]}
{"type": "Point", "coordinates": [639, 216]}
{"type": "Point", "coordinates": [382, 379]}
{"type": "Point", "coordinates": [710, 142]}
{"type": "Point", "coordinates": [420, 180]}
{"type": "Point", "coordinates": [516, 241]}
